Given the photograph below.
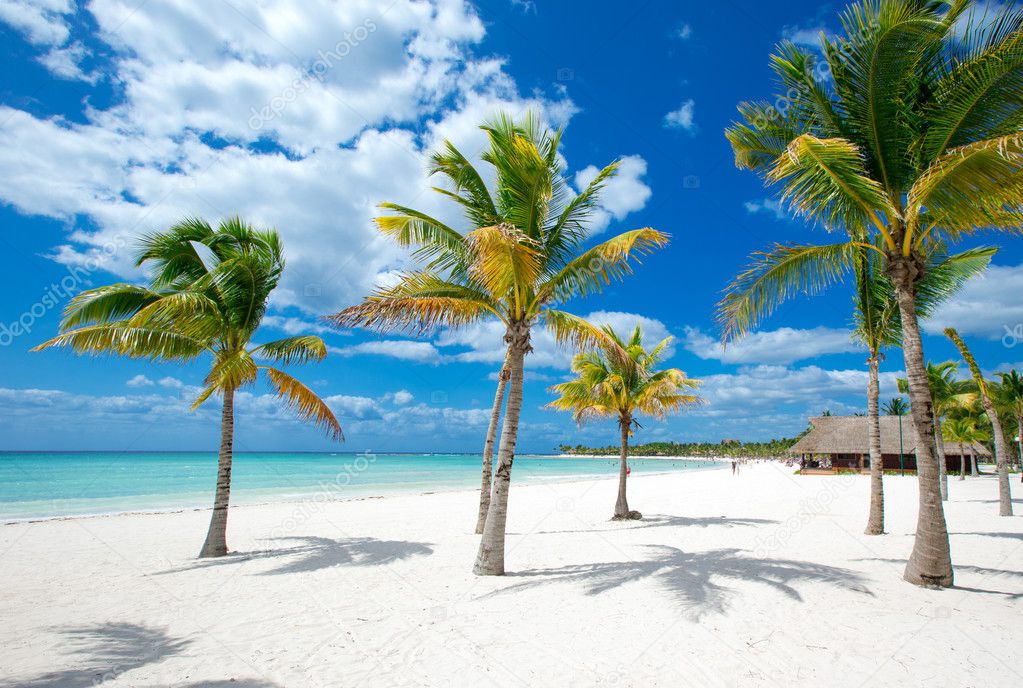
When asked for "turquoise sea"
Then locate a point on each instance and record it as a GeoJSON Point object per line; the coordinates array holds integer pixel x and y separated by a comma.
{"type": "Point", "coordinates": [54, 484]}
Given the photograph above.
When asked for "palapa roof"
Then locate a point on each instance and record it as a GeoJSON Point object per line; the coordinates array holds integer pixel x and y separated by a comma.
{"type": "Point", "coordinates": [848, 435]}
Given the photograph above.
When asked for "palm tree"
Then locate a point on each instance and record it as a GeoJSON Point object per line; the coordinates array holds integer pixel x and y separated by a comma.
{"type": "Point", "coordinates": [1010, 398]}
{"type": "Point", "coordinates": [1001, 448]}
{"type": "Point", "coordinates": [515, 270]}
{"type": "Point", "coordinates": [609, 386]}
{"type": "Point", "coordinates": [964, 431]}
{"type": "Point", "coordinates": [898, 407]}
{"type": "Point", "coordinates": [912, 135]}
{"type": "Point", "coordinates": [208, 294]}
{"type": "Point", "coordinates": [948, 393]}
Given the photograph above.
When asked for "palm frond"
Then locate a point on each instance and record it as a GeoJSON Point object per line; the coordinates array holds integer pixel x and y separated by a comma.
{"type": "Point", "coordinates": [300, 349]}
{"type": "Point", "coordinates": [106, 304]}
{"type": "Point", "coordinates": [305, 402]}
{"type": "Point", "coordinates": [777, 275]}
{"type": "Point", "coordinates": [120, 339]}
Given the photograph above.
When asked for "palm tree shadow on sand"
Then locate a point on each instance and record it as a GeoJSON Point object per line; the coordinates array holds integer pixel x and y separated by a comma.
{"type": "Point", "coordinates": [312, 553]}
{"type": "Point", "coordinates": [661, 521]}
{"type": "Point", "coordinates": [105, 651]}
{"type": "Point", "coordinates": [693, 578]}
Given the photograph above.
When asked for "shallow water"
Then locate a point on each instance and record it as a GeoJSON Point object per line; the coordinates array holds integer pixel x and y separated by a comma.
{"type": "Point", "coordinates": [46, 485]}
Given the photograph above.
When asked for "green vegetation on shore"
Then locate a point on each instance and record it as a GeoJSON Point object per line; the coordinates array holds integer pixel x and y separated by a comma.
{"type": "Point", "coordinates": [730, 449]}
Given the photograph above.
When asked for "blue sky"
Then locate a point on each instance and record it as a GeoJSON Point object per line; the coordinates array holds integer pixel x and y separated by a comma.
{"type": "Point", "coordinates": [119, 118]}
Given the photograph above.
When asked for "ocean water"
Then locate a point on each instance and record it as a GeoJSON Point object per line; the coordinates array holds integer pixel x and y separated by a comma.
{"type": "Point", "coordinates": [46, 485]}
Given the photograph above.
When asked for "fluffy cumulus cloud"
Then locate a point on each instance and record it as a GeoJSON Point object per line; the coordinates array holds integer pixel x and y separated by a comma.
{"type": "Point", "coordinates": [776, 400]}
{"type": "Point", "coordinates": [300, 119]}
{"type": "Point", "coordinates": [625, 193]}
{"type": "Point", "coordinates": [682, 118]}
{"type": "Point", "coordinates": [782, 346]}
{"type": "Point", "coordinates": [483, 343]}
{"type": "Point", "coordinates": [989, 306]}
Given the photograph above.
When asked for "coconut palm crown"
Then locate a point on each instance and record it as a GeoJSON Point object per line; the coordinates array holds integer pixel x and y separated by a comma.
{"type": "Point", "coordinates": [208, 292]}
{"type": "Point", "coordinates": [608, 385]}
{"type": "Point", "coordinates": [907, 132]}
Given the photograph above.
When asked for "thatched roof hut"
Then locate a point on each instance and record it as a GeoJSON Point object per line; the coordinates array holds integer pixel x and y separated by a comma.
{"type": "Point", "coordinates": [843, 440]}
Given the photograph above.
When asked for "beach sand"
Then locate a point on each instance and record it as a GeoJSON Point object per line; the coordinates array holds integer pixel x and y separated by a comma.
{"type": "Point", "coordinates": [763, 579]}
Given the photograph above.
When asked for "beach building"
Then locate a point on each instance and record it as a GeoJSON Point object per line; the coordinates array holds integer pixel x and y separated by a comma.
{"type": "Point", "coordinates": [841, 442]}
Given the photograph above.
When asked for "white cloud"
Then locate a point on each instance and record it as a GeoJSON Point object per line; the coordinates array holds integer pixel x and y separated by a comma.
{"type": "Point", "coordinates": [806, 36]}
{"type": "Point", "coordinates": [402, 349]}
{"type": "Point", "coordinates": [485, 341]}
{"type": "Point", "coordinates": [295, 326]}
{"type": "Point", "coordinates": [66, 62]}
{"type": "Point", "coordinates": [300, 120]}
{"type": "Point", "coordinates": [171, 383]}
{"type": "Point", "coordinates": [989, 306]}
{"type": "Point", "coordinates": [758, 393]}
{"type": "Point", "coordinates": [684, 32]}
{"type": "Point", "coordinates": [42, 22]}
{"type": "Point", "coordinates": [769, 206]}
{"type": "Point", "coordinates": [624, 193]}
{"type": "Point", "coordinates": [682, 118]}
{"type": "Point", "coordinates": [781, 346]}
{"type": "Point", "coordinates": [140, 381]}
{"type": "Point", "coordinates": [399, 398]}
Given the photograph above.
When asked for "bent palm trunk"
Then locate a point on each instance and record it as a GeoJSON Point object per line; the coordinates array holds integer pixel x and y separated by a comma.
{"type": "Point", "coordinates": [973, 462]}
{"type": "Point", "coordinates": [939, 445]}
{"type": "Point", "coordinates": [875, 522]}
{"type": "Point", "coordinates": [490, 558]}
{"type": "Point", "coordinates": [622, 505]}
{"type": "Point", "coordinates": [1001, 459]}
{"type": "Point", "coordinates": [488, 449]}
{"type": "Point", "coordinates": [962, 462]}
{"type": "Point", "coordinates": [216, 537]}
{"type": "Point", "coordinates": [931, 560]}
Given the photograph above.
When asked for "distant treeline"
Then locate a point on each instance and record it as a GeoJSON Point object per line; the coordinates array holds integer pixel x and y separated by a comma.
{"type": "Point", "coordinates": [729, 448]}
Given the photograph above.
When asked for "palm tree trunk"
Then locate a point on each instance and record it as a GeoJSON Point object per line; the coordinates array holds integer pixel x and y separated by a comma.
{"type": "Point", "coordinates": [488, 449]}
{"type": "Point", "coordinates": [931, 560]}
{"type": "Point", "coordinates": [1019, 445]}
{"type": "Point", "coordinates": [939, 445]}
{"type": "Point", "coordinates": [622, 505]}
{"type": "Point", "coordinates": [875, 522]}
{"type": "Point", "coordinates": [490, 558]}
{"type": "Point", "coordinates": [962, 462]}
{"type": "Point", "coordinates": [216, 537]}
{"type": "Point", "coordinates": [1001, 458]}
{"type": "Point", "coordinates": [973, 462]}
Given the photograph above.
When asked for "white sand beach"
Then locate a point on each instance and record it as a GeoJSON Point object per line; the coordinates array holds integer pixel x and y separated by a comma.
{"type": "Point", "coordinates": [764, 579]}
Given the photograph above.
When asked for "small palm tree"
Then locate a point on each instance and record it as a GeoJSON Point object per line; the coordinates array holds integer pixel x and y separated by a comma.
{"type": "Point", "coordinates": [964, 431]}
{"type": "Point", "coordinates": [1001, 447]}
{"type": "Point", "coordinates": [1009, 398]}
{"type": "Point", "coordinates": [208, 294]}
{"type": "Point", "coordinates": [610, 386]}
{"type": "Point", "coordinates": [948, 393]}
{"type": "Point", "coordinates": [515, 270]}
{"type": "Point", "coordinates": [912, 135]}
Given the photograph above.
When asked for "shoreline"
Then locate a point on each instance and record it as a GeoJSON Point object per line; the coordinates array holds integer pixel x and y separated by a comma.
{"type": "Point", "coordinates": [310, 498]}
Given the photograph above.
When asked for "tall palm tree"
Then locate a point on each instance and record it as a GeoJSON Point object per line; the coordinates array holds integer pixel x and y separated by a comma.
{"type": "Point", "coordinates": [1001, 448]}
{"type": "Point", "coordinates": [1010, 398]}
{"type": "Point", "coordinates": [610, 386]}
{"type": "Point", "coordinates": [515, 270]}
{"type": "Point", "coordinates": [208, 294]}
{"type": "Point", "coordinates": [948, 393]}
{"type": "Point", "coordinates": [911, 135]}
{"type": "Point", "coordinates": [767, 282]}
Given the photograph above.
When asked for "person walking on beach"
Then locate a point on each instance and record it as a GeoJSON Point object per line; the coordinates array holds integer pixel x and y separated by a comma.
{"type": "Point", "coordinates": [733, 467]}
